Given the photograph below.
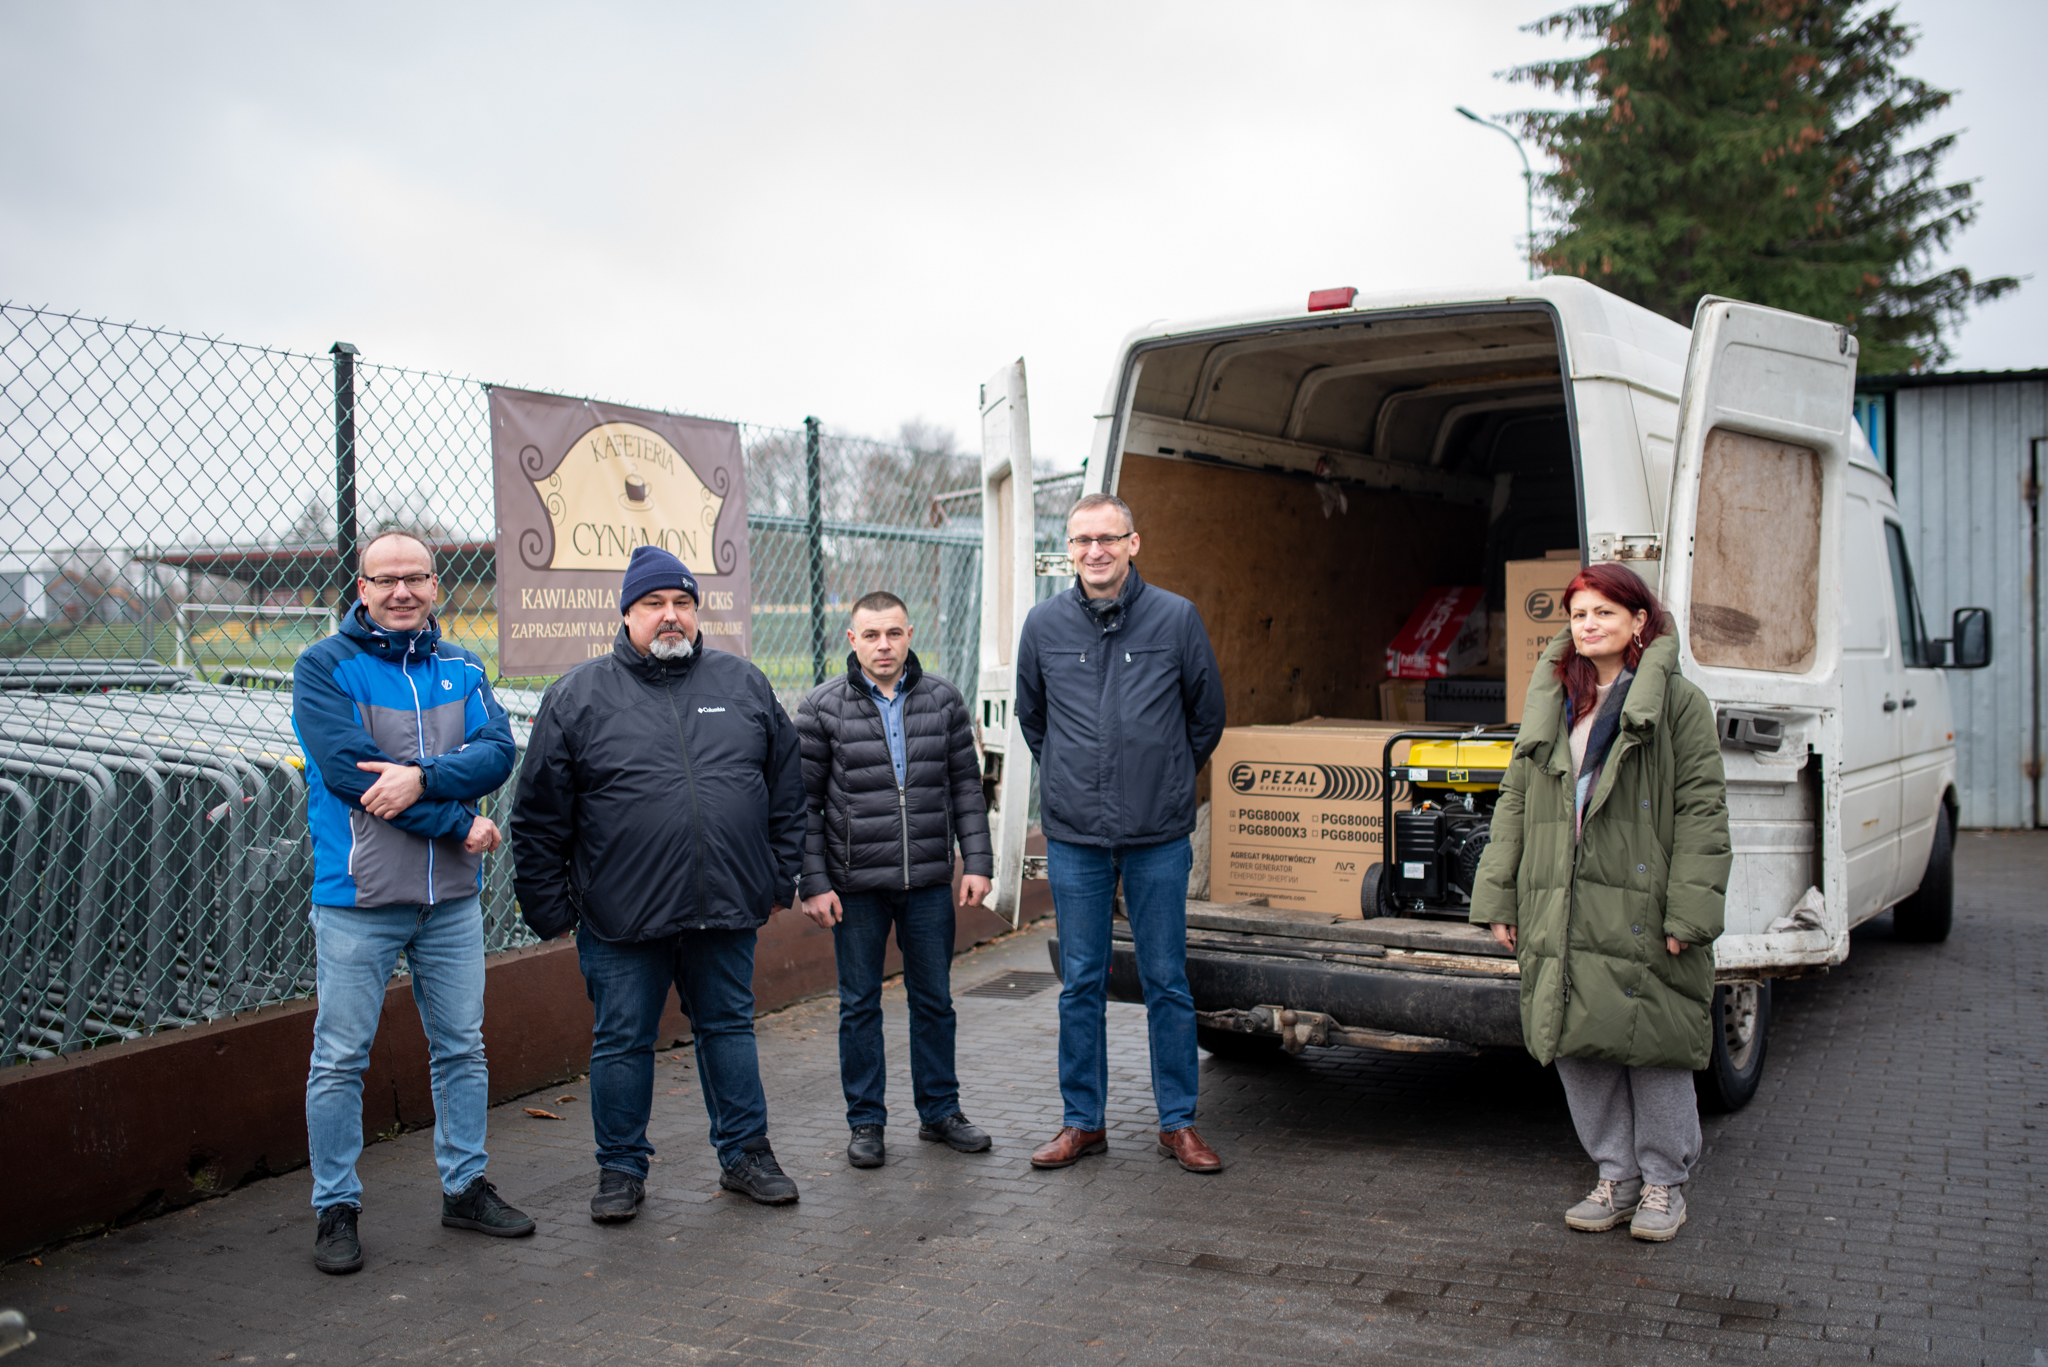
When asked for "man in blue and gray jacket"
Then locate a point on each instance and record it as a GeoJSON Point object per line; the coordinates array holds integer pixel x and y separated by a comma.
{"type": "Point", "coordinates": [401, 737]}
{"type": "Point", "coordinates": [1119, 698]}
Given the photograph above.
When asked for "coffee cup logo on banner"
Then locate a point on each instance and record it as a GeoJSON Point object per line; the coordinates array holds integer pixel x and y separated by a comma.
{"type": "Point", "coordinates": [623, 486]}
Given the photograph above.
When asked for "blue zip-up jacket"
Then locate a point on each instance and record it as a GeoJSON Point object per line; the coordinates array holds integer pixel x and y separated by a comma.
{"type": "Point", "coordinates": [370, 694]}
{"type": "Point", "coordinates": [1120, 710]}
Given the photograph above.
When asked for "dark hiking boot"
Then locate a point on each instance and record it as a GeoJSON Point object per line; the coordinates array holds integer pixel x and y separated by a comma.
{"type": "Point", "coordinates": [336, 1248]}
{"type": "Point", "coordinates": [480, 1208]}
{"type": "Point", "coordinates": [758, 1177]}
{"type": "Point", "coordinates": [618, 1198]}
{"type": "Point", "coordinates": [865, 1149]}
{"type": "Point", "coordinates": [956, 1131]}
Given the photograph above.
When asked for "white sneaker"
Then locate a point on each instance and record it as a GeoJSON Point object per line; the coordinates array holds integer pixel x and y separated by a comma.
{"type": "Point", "coordinates": [1661, 1213]}
{"type": "Point", "coordinates": [1606, 1205]}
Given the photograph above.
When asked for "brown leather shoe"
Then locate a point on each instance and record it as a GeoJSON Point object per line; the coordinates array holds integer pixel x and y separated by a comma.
{"type": "Point", "coordinates": [1187, 1147]}
{"type": "Point", "coordinates": [1070, 1146]}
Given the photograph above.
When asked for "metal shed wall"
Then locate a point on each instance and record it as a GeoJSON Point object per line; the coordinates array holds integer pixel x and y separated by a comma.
{"type": "Point", "coordinates": [1964, 462]}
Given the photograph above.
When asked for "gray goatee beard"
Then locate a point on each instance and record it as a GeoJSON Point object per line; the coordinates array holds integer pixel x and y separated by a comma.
{"type": "Point", "coordinates": [671, 650]}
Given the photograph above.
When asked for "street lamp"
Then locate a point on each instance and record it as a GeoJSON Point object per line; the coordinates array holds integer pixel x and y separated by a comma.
{"type": "Point", "coordinates": [1528, 183]}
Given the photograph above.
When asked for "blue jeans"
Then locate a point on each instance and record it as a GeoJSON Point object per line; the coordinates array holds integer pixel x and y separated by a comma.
{"type": "Point", "coordinates": [713, 972]}
{"type": "Point", "coordinates": [358, 947]}
{"type": "Point", "coordinates": [1155, 879]}
{"type": "Point", "coordinates": [923, 920]}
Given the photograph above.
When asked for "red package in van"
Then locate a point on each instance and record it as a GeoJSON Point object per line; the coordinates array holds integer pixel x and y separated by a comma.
{"type": "Point", "coordinates": [1446, 634]}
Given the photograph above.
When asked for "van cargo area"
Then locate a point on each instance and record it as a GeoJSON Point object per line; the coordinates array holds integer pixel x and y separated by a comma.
{"type": "Point", "coordinates": [1305, 488]}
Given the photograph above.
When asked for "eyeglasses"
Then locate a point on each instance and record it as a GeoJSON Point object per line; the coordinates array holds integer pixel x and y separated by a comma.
{"type": "Point", "coordinates": [386, 582]}
{"type": "Point", "coordinates": [1082, 543]}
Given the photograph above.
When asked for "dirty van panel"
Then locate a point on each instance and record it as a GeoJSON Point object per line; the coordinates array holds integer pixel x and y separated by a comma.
{"type": "Point", "coordinates": [1774, 829]}
{"type": "Point", "coordinates": [1299, 605]}
{"type": "Point", "coordinates": [1005, 561]}
{"type": "Point", "coordinates": [1756, 569]}
{"type": "Point", "coordinates": [1008, 514]}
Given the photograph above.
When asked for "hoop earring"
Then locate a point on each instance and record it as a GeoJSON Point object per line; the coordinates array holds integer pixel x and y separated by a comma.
{"type": "Point", "coordinates": [1639, 640]}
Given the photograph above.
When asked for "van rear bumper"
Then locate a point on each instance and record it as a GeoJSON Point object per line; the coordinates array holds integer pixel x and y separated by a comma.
{"type": "Point", "coordinates": [1482, 1011]}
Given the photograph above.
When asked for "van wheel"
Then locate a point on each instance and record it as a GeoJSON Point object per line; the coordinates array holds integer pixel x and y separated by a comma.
{"type": "Point", "coordinates": [1376, 893]}
{"type": "Point", "coordinates": [1741, 1016]}
{"type": "Point", "coordinates": [1926, 916]}
{"type": "Point", "coordinates": [1242, 1048]}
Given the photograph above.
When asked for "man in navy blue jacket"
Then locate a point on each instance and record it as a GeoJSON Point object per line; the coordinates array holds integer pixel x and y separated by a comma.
{"type": "Point", "coordinates": [401, 737]}
{"type": "Point", "coordinates": [1119, 698]}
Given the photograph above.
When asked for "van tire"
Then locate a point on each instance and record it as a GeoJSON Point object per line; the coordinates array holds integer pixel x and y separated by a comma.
{"type": "Point", "coordinates": [1229, 1044]}
{"type": "Point", "coordinates": [1742, 1035]}
{"type": "Point", "coordinates": [1376, 893]}
{"type": "Point", "coordinates": [1926, 916]}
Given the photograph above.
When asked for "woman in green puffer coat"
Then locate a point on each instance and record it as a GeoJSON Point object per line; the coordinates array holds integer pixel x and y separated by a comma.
{"type": "Point", "coordinates": [1606, 874]}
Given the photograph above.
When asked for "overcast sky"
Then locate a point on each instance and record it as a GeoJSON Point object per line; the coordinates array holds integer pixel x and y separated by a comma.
{"type": "Point", "coordinates": [855, 210]}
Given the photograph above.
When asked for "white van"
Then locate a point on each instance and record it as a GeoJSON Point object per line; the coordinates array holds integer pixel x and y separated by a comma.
{"type": "Point", "coordinates": [1466, 430]}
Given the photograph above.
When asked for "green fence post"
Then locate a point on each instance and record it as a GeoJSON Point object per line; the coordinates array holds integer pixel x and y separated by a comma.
{"type": "Point", "coordinates": [814, 532]}
{"type": "Point", "coordinates": [344, 469]}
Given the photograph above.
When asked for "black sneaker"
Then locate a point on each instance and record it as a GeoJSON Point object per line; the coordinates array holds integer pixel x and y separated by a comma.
{"type": "Point", "coordinates": [480, 1208]}
{"type": "Point", "coordinates": [618, 1198]}
{"type": "Point", "coordinates": [865, 1149]}
{"type": "Point", "coordinates": [956, 1131]}
{"type": "Point", "coordinates": [758, 1177]}
{"type": "Point", "coordinates": [336, 1248]}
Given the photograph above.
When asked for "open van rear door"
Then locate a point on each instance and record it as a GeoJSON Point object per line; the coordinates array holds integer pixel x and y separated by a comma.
{"type": "Point", "coordinates": [1753, 576]}
{"type": "Point", "coordinates": [1008, 589]}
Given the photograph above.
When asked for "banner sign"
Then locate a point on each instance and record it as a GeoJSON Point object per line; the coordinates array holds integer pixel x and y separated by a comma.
{"type": "Point", "coordinates": [579, 485]}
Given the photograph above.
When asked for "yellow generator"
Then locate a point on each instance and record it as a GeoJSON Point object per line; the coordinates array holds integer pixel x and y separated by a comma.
{"type": "Point", "coordinates": [1454, 780]}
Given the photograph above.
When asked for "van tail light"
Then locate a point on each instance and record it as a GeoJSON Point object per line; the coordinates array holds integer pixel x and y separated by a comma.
{"type": "Point", "coordinates": [1339, 298]}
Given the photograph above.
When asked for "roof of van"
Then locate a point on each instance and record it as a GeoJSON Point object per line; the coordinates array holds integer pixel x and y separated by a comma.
{"type": "Point", "coordinates": [1606, 334]}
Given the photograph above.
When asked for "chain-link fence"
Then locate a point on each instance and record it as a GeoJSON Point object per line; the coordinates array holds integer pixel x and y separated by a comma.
{"type": "Point", "coordinates": [178, 516]}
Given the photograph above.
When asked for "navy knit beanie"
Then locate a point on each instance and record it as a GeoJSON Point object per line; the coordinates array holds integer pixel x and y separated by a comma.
{"type": "Point", "coordinates": [653, 568]}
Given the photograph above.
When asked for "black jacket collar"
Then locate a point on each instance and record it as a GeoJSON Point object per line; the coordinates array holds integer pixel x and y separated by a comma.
{"type": "Point", "coordinates": [857, 678]}
{"type": "Point", "coordinates": [648, 667]}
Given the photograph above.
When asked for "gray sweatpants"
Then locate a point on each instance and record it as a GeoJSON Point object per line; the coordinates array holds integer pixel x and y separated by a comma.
{"type": "Point", "coordinates": [1634, 1121]}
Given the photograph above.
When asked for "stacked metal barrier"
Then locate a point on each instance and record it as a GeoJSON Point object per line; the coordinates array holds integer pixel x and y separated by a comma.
{"type": "Point", "coordinates": [156, 865]}
{"type": "Point", "coordinates": [177, 515]}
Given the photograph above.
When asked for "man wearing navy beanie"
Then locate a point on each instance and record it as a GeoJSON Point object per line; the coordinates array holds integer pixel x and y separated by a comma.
{"type": "Point", "coordinates": [653, 568]}
{"type": "Point", "coordinates": [660, 816]}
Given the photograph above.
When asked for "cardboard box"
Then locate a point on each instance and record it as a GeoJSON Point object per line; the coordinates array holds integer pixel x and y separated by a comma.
{"type": "Point", "coordinates": [1296, 812]}
{"type": "Point", "coordinates": [1536, 612]}
{"type": "Point", "coordinates": [1446, 634]}
{"type": "Point", "coordinates": [1402, 699]}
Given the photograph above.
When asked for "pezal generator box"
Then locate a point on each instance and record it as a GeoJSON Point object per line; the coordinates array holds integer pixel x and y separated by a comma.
{"type": "Point", "coordinates": [1297, 810]}
{"type": "Point", "coordinates": [1536, 613]}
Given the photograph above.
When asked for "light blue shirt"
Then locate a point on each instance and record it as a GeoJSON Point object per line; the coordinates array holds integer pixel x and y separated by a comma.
{"type": "Point", "coordinates": [892, 720]}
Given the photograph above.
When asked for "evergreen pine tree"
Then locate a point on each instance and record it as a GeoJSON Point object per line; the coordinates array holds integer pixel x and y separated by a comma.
{"type": "Point", "coordinates": [1756, 149]}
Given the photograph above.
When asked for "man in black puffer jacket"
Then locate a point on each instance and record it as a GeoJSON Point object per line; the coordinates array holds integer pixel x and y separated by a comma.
{"type": "Point", "coordinates": [891, 782]}
{"type": "Point", "coordinates": [660, 816]}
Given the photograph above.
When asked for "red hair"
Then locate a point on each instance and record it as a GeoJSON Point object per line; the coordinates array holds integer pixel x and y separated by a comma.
{"type": "Point", "coordinates": [1620, 586]}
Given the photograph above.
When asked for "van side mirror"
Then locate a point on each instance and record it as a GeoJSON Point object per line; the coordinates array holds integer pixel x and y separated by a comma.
{"type": "Point", "coordinates": [1969, 642]}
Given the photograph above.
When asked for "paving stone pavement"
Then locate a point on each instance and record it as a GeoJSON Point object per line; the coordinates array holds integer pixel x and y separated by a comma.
{"type": "Point", "coordinates": [1878, 1202]}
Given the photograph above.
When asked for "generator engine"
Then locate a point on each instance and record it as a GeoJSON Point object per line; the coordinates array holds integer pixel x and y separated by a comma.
{"type": "Point", "coordinates": [1453, 782]}
{"type": "Point", "coordinates": [1437, 848]}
